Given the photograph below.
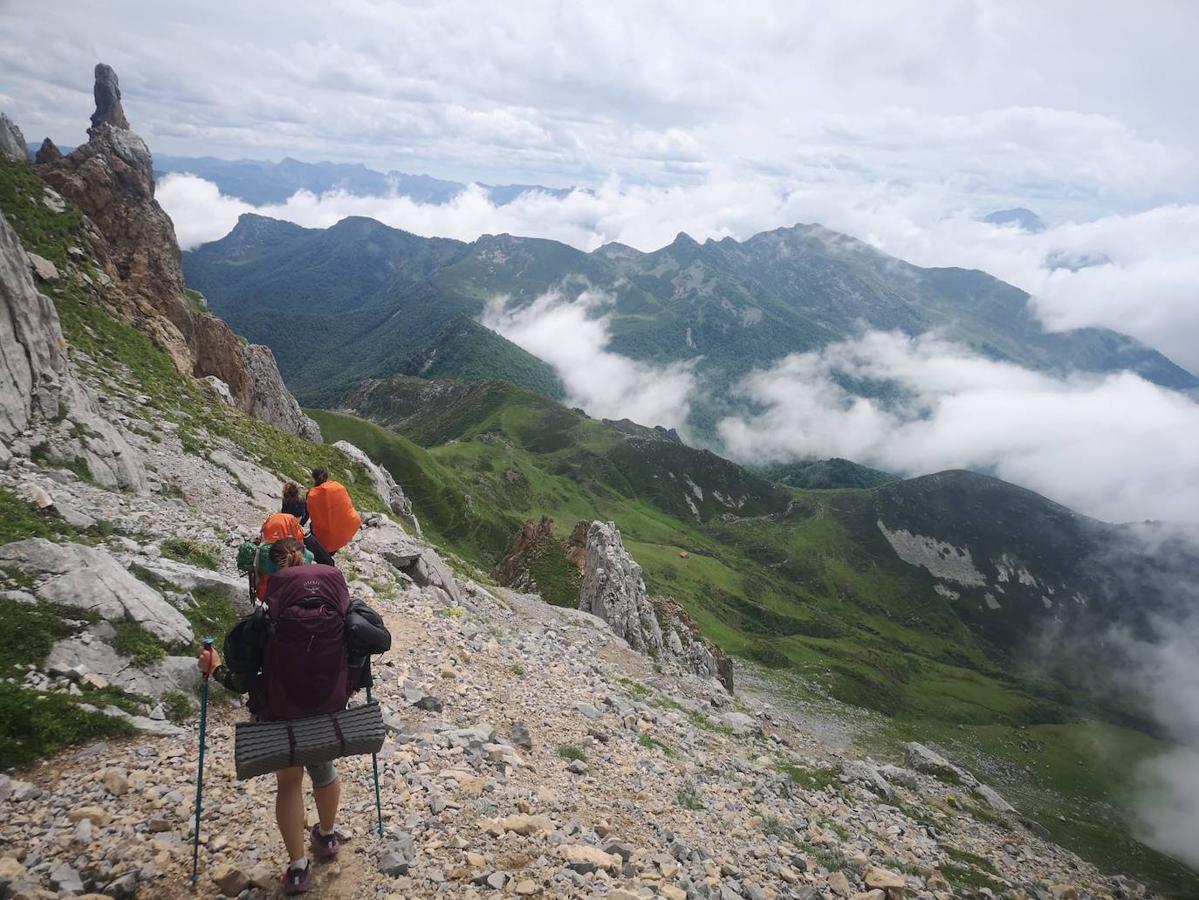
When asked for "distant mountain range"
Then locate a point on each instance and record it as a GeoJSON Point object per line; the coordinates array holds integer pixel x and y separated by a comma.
{"type": "Point", "coordinates": [379, 298]}
{"type": "Point", "coordinates": [261, 182]}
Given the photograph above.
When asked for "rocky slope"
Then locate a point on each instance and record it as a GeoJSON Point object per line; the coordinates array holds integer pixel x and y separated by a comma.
{"type": "Point", "coordinates": [132, 247]}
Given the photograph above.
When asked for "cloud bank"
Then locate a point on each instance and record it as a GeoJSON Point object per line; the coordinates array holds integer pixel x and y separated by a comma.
{"type": "Point", "coordinates": [574, 340]}
{"type": "Point", "coordinates": [1117, 447]}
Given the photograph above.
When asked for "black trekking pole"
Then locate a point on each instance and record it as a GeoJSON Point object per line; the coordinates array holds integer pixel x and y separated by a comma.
{"type": "Point", "coordinates": [375, 761]}
{"type": "Point", "coordinates": [208, 642]}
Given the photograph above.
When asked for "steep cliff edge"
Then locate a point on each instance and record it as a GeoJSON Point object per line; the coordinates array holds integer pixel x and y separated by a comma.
{"type": "Point", "coordinates": [110, 179]}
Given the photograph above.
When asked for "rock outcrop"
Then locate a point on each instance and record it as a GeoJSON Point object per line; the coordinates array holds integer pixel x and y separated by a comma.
{"type": "Point", "coordinates": [385, 486]}
{"type": "Point", "coordinates": [107, 92]}
{"type": "Point", "coordinates": [267, 397]}
{"type": "Point", "coordinates": [613, 589]}
{"type": "Point", "coordinates": [111, 179]}
{"type": "Point", "coordinates": [91, 579]}
{"type": "Point", "coordinates": [40, 400]}
{"type": "Point", "coordinates": [12, 142]}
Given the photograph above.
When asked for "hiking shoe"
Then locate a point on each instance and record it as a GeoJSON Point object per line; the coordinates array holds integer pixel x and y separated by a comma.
{"type": "Point", "coordinates": [296, 880]}
{"type": "Point", "coordinates": [324, 846]}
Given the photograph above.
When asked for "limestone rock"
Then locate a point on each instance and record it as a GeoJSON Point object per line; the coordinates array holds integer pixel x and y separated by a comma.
{"type": "Point", "coordinates": [37, 386]}
{"type": "Point", "coordinates": [268, 398]}
{"type": "Point", "coordinates": [385, 486]}
{"type": "Point", "coordinates": [993, 798]}
{"type": "Point", "coordinates": [12, 142]}
{"type": "Point", "coordinates": [584, 859]}
{"type": "Point", "coordinates": [89, 578]}
{"type": "Point", "coordinates": [43, 268]}
{"type": "Point", "coordinates": [408, 555]}
{"type": "Point", "coordinates": [186, 577]}
{"type": "Point", "coordinates": [107, 92]}
{"type": "Point", "coordinates": [614, 590]}
{"type": "Point", "coordinates": [397, 855]}
{"type": "Point", "coordinates": [110, 179]}
{"type": "Point", "coordinates": [230, 879]}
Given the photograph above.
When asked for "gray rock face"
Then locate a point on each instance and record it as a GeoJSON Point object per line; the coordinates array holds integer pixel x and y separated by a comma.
{"type": "Point", "coordinates": [12, 142]}
{"type": "Point", "coordinates": [385, 486]}
{"type": "Point", "coordinates": [93, 657]}
{"type": "Point", "coordinates": [269, 399]}
{"type": "Point", "coordinates": [416, 560]}
{"type": "Point", "coordinates": [614, 589]}
{"type": "Point", "coordinates": [107, 92]}
{"type": "Point", "coordinates": [184, 577]}
{"type": "Point", "coordinates": [89, 578]}
{"type": "Point", "coordinates": [37, 386]}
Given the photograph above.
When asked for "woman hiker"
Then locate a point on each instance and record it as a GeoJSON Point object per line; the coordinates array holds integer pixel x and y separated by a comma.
{"type": "Point", "coordinates": [305, 671]}
{"type": "Point", "coordinates": [333, 521]}
{"type": "Point", "coordinates": [293, 503]}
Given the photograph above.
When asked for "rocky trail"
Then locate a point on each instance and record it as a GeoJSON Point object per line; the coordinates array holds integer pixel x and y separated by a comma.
{"type": "Point", "coordinates": [530, 753]}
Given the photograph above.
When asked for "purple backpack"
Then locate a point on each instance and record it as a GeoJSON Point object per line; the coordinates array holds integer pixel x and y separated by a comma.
{"type": "Point", "coordinates": [304, 663]}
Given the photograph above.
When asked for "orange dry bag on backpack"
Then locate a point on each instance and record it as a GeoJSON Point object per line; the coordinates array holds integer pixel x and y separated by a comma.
{"type": "Point", "coordinates": [332, 515]}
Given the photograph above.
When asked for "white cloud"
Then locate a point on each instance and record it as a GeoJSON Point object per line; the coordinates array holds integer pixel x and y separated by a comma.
{"type": "Point", "coordinates": [1117, 447]}
{"type": "Point", "coordinates": [573, 336]}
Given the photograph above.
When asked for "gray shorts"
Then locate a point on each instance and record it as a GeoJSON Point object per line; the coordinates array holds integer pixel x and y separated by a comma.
{"type": "Point", "coordinates": [322, 774]}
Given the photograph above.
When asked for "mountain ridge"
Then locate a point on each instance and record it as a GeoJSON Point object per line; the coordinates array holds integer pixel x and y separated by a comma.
{"type": "Point", "coordinates": [728, 305]}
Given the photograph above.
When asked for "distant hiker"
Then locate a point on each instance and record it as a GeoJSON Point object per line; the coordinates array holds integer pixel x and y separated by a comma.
{"type": "Point", "coordinates": [277, 527]}
{"type": "Point", "coordinates": [301, 655]}
{"type": "Point", "coordinates": [293, 503]}
{"type": "Point", "coordinates": [333, 521]}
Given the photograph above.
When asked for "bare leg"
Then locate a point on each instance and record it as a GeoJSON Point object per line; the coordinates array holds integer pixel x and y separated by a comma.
{"type": "Point", "coordinates": [289, 810]}
{"type": "Point", "coordinates": [328, 799]}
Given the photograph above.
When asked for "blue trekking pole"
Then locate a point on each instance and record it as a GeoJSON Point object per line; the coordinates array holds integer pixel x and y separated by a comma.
{"type": "Point", "coordinates": [208, 642]}
{"type": "Point", "coordinates": [375, 763]}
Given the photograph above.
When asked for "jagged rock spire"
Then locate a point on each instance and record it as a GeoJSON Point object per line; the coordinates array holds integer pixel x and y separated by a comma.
{"type": "Point", "coordinates": [108, 100]}
{"type": "Point", "coordinates": [47, 153]}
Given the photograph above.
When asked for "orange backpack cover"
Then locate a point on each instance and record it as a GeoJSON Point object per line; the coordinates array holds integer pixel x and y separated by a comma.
{"type": "Point", "coordinates": [279, 526]}
{"type": "Point", "coordinates": [332, 514]}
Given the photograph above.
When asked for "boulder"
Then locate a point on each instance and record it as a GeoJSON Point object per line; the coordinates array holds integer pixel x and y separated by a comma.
{"type": "Point", "coordinates": [923, 759]}
{"type": "Point", "coordinates": [408, 555]}
{"type": "Point", "coordinates": [867, 775]}
{"type": "Point", "coordinates": [12, 142]}
{"type": "Point", "coordinates": [385, 486]}
{"type": "Point", "coordinates": [585, 859]}
{"type": "Point", "coordinates": [95, 661]}
{"type": "Point", "coordinates": [90, 578]}
{"type": "Point", "coordinates": [43, 268]}
{"type": "Point", "coordinates": [265, 487]}
{"type": "Point", "coordinates": [992, 798]}
{"type": "Point", "coordinates": [186, 577]}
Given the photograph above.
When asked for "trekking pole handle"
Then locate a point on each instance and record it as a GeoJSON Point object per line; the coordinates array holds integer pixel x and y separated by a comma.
{"type": "Point", "coordinates": [207, 644]}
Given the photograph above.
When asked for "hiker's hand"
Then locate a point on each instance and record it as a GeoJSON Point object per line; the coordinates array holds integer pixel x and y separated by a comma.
{"type": "Point", "coordinates": [209, 661]}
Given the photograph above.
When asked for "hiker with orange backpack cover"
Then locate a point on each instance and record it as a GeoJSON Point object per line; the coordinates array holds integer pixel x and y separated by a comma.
{"type": "Point", "coordinates": [332, 519]}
